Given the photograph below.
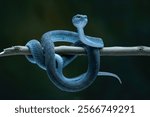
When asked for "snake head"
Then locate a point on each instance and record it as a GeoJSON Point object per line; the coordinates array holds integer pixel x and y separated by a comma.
{"type": "Point", "coordinates": [79, 21]}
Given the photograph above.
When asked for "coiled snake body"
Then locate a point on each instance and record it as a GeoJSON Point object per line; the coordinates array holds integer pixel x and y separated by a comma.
{"type": "Point", "coordinates": [44, 56]}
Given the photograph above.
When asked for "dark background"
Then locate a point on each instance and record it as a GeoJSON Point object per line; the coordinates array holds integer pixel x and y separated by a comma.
{"type": "Point", "coordinates": [118, 22]}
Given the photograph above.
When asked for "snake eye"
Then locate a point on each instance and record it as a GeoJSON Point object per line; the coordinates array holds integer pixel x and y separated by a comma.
{"type": "Point", "coordinates": [78, 16]}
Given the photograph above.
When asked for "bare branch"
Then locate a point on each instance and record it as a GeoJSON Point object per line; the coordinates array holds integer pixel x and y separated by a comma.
{"type": "Point", "coordinates": [71, 50]}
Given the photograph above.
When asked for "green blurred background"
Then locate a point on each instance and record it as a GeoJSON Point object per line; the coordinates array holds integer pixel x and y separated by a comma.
{"type": "Point", "coordinates": [118, 22]}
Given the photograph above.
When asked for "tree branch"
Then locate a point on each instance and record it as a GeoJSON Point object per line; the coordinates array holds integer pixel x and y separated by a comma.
{"type": "Point", "coordinates": [71, 50]}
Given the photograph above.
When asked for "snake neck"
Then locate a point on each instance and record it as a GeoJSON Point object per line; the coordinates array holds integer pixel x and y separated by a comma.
{"type": "Point", "coordinates": [81, 34]}
{"type": "Point", "coordinates": [84, 39]}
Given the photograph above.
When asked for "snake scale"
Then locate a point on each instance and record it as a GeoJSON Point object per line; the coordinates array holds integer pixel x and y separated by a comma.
{"type": "Point", "coordinates": [44, 56]}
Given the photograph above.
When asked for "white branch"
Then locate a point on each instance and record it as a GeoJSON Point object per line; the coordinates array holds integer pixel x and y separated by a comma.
{"type": "Point", "coordinates": [71, 50]}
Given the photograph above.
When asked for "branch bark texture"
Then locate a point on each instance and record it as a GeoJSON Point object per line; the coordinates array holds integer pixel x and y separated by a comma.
{"type": "Point", "coordinates": [71, 50]}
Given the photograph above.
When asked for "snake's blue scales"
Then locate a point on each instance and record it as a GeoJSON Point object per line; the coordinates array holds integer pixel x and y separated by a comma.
{"type": "Point", "coordinates": [44, 56]}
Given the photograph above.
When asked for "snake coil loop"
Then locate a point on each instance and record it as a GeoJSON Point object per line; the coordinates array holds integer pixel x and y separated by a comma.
{"type": "Point", "coordinates": [43, 54]}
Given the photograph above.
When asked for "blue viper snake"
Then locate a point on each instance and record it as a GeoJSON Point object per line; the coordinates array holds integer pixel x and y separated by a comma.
{"type": "Point", "coordinates": [44, 56]}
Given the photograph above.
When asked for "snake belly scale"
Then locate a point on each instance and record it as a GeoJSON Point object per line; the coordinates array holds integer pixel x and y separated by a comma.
{"type": "Point", "coordinates": [44, 56]}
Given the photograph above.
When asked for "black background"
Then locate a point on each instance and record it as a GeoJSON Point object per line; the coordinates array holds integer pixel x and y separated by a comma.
{"type": "Point", "coordinates": [118, 22]}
